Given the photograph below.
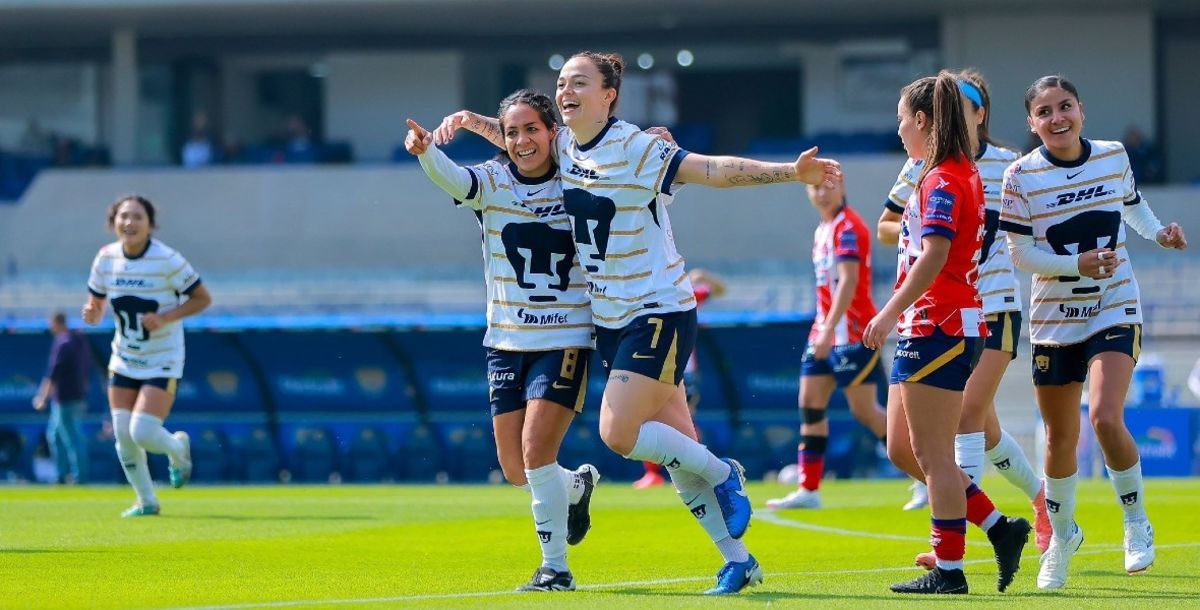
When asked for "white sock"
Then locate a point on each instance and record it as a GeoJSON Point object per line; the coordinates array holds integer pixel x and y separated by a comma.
{"type": "Point", "coordinates": [573, 483]}
{"type": "Point", "coordinates": [697, 494]}
{"type": "Point", "coordinates": [148, 432]}
{"type": "Point", "coordinates": [550, 514]}
{"type": "Point", "coordinates": [1060, 504]}
{"type": "Point", "coordinates": [968, 453]}
{"type": "Point", "coordinates": [133, 459]}
{"type": "Point", "coordinates": [1012, 464]}
{"type": "Point", "coordinates": [1131, 492]}
{"type": "Point", "coordinates": [662, 444]}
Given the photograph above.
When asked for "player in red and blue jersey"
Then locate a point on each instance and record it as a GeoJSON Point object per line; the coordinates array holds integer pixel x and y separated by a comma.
{"type": "Point", "coordinates": [937, 310]}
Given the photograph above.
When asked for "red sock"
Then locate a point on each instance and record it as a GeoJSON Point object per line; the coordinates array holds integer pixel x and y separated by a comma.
{"type": "Point", "coordinates": [949, 540]}
{"type": "Point", "coordinates": [812, 461]}
{"type": "Point", "coordinates": [979, 507]}
{"type": "Point", "coordinates": [651, 467]}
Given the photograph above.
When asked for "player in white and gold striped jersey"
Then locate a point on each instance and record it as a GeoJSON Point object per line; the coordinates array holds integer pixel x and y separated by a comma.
{"type": "Point", "coordinates": [151, 288]}
{"type": "Point", "coordinates": [1065, 208]}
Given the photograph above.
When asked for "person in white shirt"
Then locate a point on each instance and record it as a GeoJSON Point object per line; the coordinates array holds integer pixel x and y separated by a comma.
{"type": "Point", "coordinates": [540, 334]}
{"type": "Point", "coordinates": [1065, 207]}
{"type": "Point", "coordinates": [151, 288]}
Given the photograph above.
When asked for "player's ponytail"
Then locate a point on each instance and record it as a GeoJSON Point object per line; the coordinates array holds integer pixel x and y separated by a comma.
{"type": "Point", "coordinates": [611, 67]}
{"type": "Point", "coordinates": [949, 135]}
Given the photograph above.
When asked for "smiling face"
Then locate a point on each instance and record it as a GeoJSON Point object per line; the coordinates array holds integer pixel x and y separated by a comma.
{"type": "Point", "coordinates": [581, 96]}
{"type": "Point", "coordinates": [527, 139]}
{"type": "Point", "coordinates": [132, 225]}
{"type": "Point", "coordinates": [913, 130]}
{"type": "Point", "coordinates": [1056, 116]}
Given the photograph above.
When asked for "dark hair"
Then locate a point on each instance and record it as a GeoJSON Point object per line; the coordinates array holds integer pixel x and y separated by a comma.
{"type": "Point", "coordinates": [941, 100]}
{"type": "Point", "coordinates": [975, 78]}
{"type": "Point", "coordinates": [146, 205]}
{"type": "Point", "coordinates": [540, 102]}
{"type": "Point", "coordinates": [1048, 82]}
{"type": "Point", "coordinates": [611, 67]}
{"type": "Point", "coordinates": [59, 318]}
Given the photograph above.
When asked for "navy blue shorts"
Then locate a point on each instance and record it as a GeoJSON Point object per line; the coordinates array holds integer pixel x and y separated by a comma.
{"type": "Point", "coordinates": [656, 345]}
{"type": "Point", "coordinates": [1063, 364]}
{"type": "Point", "coordinates": [167, 384]}
{"type": "Point", "coordinates": [515, 378]}
{"type": "Point", "coordinates": [939, 360]}
{"type": "Point", "coordinates": [1004, 330]}
{"type": "Point", "coordinates": [850, 365]}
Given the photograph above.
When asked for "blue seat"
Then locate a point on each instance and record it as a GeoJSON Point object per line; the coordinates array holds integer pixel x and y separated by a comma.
{"type": "Point", "coordinates": [314, 458]}
{"type": "Point", "coordinates": [419, 457]}
{"type": "Point", "coordinates": [209, 456]}
{"type": "Point", "coordinates": [368, 457]}
{"type": "Point", "coordinates": [259, 458]}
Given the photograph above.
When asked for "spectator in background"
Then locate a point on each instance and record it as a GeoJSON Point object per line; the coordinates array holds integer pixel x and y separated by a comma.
{"type": "Point", "coordinates": [299, 137]}
{"type": "Point", "coordinates": [35, 141]}
{"type": "Point", "coordinates": [200, 150]}
{"type": "Point", "coordinates": [64, 389]}
{"type": "Point", "coordinates": [1144, 157]}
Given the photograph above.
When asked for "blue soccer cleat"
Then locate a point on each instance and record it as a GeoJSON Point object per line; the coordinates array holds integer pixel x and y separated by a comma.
{"type": "Point", "coordinates": [732, 499]}
{"type": "Point", "coordinates": [735, 576]}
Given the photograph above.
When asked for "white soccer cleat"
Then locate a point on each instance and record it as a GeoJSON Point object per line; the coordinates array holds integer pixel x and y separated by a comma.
{"type": "Point", "coordinates": [181, 471]}
{"type": "Point", "coordinates": [1139, 546]}
{"type": "Point", "coordinates": [1056, 560]}
{"type": "Point", "coordinates": [920, 496]}
{"type": "Point", "coordinates": [801, 498]}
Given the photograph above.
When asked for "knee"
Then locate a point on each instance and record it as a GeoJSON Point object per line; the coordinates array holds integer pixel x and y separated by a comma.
{"type": "Point", "coordinates": [897, 452]}
{"type": "Point", "coordinates": [621, 439]}
{"type": "Point", "coordinates": [514, 471]}
{"type": "Point", "coordinates": [140, 430]}
{"type": "Point", "coordinates": [534, 453]}
{"type": "Point", "coordinates": [1107, 422]}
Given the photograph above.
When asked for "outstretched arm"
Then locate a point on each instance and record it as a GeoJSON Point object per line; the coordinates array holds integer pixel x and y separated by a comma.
{"type": "Point", "coordinates": [485, 126]}
{"type": "Point", "coordinates": [724, 172]}
{"type": "Point", "coordinates": [449, 176]}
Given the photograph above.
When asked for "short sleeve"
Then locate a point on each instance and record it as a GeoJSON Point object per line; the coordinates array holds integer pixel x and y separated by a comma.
{"type": "Point", "coordinates": [182, 278]}
{"type": "Point", "coordinates": [1014, 207]}
{"type": "Point", "coordinates": [941, 204]}
{"type": "Point", "coordinates": [906, 182]}
{"type": "Point", "coordinates": [657, 161]}
{"type": "Point", "coordinates": [96, 284]}
{"type": "Point", "coordinates": [845, 243]}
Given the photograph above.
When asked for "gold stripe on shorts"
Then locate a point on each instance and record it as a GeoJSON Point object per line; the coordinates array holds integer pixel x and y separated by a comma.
{"type": "Point", "coordinates": [940, 361]}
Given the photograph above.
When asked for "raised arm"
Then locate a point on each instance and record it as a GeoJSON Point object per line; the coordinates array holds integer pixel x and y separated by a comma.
{"type": "Point", "coordinates": [722, 172]}
{"type": "Point", "coordinates": [484, 126]}
{"type": "Point", "coordinates": [456, 180]}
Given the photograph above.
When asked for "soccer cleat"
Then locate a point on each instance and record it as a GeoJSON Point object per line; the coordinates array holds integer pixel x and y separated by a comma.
{"type": "Point", "coordinates": [937, 580]}
{"type": "Point", "coordinates": [181, 471]}
{"type": "Point", "coordinates": [1008, 537]}
{"type": "Point", "coordinates": [579, 514]}
{"type": "Point", "coordinates": [1139, 546]}
{"type": "Point", "coordinates": [548, 579]}
{"type": "Point", "coordinates": [1056, 560]}
{"type": "Point", "coordinates": [1041, 521]}
{"type": "Point", "coordinates": [141, 510]}
{"type": "Point", "coordinates": [732, 500]}
{"type": "Point", "coordinates": [650, 479]}
{"type": "Point", "coordinates": [920, 496]}
{"type": "Point", "coordinates": [801, 498]}
{"type": "Point", "coordinates": [735, 576]}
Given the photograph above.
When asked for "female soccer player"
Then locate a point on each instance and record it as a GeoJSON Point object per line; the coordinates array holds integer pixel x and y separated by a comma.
{"type": "Point", "coordinates": [835, 358]}
{"type": "Point", "coordinates": [941, 329]}
{"type": "Point", "coordinates": [147, 282]}
{"type": "Point", "coordinates": [979, 433]}
{"type": "Point", "coordinates": [616, 182]}
{"type": "Point", "coordinates": [539, 334]}
{"type": "Point", "coordinates": [1065, 205]}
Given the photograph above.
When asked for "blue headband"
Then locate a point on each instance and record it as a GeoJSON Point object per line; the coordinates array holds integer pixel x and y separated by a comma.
{"type": "Point", "coordinates": [972, 92]}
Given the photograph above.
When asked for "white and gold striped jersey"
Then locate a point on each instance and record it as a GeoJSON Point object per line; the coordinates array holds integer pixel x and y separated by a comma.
{"type": "Point", "coordinates": [616, 189]}
{"type": "Point", "coordinates": [537, 297]}
{"type": "Point", "coordinates": [998, 284]}
{"type": "Point", "coordinates": [1070, 208]}
{"type": "Point", "coordinates": [156, 281]}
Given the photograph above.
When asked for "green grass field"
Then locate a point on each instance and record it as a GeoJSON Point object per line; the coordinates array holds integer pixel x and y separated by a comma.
{"type": "Point", "coordinates": [449, 546]}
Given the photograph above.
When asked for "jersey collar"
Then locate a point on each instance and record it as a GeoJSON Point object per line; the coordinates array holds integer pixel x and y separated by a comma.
{"type": "Point", "coordinates": [1083, 157]}
{"type": "Point", "coordinates": [139, 254]}
{"type": "Point", "coordinates": [512, 169]}
{"type": "Point", "coordinates": [600, 136]}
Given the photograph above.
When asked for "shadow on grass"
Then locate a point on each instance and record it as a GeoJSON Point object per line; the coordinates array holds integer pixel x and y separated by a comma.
{"type": "Point", "coordinates": [886, 597]}
{"type": "Point", "coordinates": [272, 517]}
{"type": "Point", "coordinates": [46, 551]}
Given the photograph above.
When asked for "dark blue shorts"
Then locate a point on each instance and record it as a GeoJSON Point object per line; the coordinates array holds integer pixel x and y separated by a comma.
{"type": "Point", "coordinates": [850, 365]}
{"type": "Point", "coordinates": [939, 360]}
{"type": "Point", "coordinates": [167, 384]}
{"type": "Point", "coordinates": [656, 345]}
{"type": "Point", "coordinates": [1004, 331]}
{"type": "Point", "coordinates": [515, 378]}
{"type": "Point", "coordinates": [1063, 364]}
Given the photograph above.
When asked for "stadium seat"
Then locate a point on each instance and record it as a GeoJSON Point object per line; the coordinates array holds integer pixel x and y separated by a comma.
{"type": "Point", "coordinates": [103, 465]}
{"type": "Point", "coordinates": [368, 457]}
{"type": "Point", "coordinates": [209, 451]}
{"type": "Point", "coordinates": [11, 444]}
{"type": "Point", "coordinates": [419, 457]}
{"type": "Point", "coordinates": [471, 453]}
{"type": "Point", "coordinates": [748, 448]}
{"type": "Point", "coordinates": [314, 458]}
{"type": "Point", "coordinates": [260, 461]}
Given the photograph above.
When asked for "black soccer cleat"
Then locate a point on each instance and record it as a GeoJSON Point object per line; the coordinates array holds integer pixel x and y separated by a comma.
{"type": "Point", "coordinates": [1008, 537]}
{"type": "Point", "coordinates": [579, 514]}
{"type": "Point", "coordinates": [547, 579]}
{"type": "Point", "coordinates": [937, 581]}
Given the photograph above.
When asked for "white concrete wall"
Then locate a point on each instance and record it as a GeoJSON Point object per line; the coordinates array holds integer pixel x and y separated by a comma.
{"type": "Point", "coordinates": [368, 96]}
{"type": "Point", "coordinates": [1108, 55]}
